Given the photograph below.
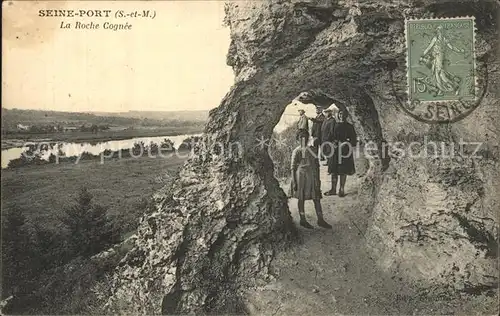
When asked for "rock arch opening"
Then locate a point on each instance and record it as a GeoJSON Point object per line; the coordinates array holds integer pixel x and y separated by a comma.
{"type": "Point", "coordinates": [362, 114]}
{"type": "Point", "coordinates": [225, 216]}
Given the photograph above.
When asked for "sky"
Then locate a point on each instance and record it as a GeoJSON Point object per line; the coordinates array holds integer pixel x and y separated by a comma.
{"type": "Point", "coordinates": [176, 61]}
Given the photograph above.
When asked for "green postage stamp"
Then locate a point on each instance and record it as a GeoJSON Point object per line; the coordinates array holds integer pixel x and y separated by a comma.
{"type": "Point", "coordinates": [441, 60]}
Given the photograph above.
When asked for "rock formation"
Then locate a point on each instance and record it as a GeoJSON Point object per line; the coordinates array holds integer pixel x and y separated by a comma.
{"type": "Point", "coordinates": [435, 220]}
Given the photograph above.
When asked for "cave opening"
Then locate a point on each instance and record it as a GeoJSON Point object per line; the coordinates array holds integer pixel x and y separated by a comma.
{"type": "Point", "coordinates": [239, 211]}
{"type": "Point", "coordinates": [362, 115]}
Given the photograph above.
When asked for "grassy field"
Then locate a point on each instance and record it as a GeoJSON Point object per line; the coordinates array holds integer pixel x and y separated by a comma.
{"type": "Point", "coordinates": [124, 186]}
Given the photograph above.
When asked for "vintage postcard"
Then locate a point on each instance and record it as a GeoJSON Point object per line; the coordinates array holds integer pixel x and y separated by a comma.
{"type": "Point", "coordinates": [317, 157]}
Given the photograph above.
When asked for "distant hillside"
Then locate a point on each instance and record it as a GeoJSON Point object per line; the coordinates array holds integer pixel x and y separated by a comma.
{"type": "Point", "coordinates": [160, 115]}
{"type": "Point", "coordinates": [12, 117]}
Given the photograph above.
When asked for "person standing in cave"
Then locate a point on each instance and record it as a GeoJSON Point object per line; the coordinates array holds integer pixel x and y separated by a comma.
{"type": "Point", "coordinates": [327, 146]}
{"type": "Point", "coordinates": [316, 131]}
{"type": "Point", "coordinates": [303, 124]}
{"type": "Point", "coordinates": [342, 164]}
{"type": "Point", "coordinates": [306, 184]}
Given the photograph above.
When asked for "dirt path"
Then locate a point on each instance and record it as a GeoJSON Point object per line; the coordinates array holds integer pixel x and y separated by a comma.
{"type": "Point", "coordinates": [331, 272]}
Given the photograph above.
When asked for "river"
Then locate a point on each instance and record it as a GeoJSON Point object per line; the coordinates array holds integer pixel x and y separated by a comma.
{"type": "Point", "coordinates": [69, 149]}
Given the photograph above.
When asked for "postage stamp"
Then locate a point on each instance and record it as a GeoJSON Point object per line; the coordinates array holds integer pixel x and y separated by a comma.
{"type": "Point", "coordinates": [441, 66]}
{"type": "Point", "coordinates": [441, 59]}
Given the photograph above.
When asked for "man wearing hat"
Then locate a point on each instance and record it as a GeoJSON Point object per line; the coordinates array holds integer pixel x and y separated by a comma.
{"type": "Point", "coordinates": [303, 125]}
{"type": "Point", "coordinates": [327, 143]}
{"type": "Point", "coordinates": [316, 130]}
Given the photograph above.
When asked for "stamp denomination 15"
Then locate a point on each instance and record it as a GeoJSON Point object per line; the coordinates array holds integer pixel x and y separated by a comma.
{"type": "Point", "coordinates": [441, 68]}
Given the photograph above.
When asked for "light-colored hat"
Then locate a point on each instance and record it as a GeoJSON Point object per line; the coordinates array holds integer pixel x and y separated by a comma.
{"type": "Point", "coordinates": [334, 108]}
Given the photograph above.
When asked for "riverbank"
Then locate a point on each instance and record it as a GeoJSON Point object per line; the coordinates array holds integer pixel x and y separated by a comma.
{"type": "Point", "coordinates": [20, 139]}
{"type": "Point", "coordinates": [47, 152]}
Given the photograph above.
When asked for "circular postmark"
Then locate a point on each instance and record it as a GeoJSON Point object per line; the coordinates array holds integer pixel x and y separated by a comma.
{"type": "Point", "coordinates": [446, 111]}
{"type": "Point", "coordinates": [444, 83]}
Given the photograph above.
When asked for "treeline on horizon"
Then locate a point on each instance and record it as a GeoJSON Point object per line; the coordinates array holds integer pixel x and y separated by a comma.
{"type": "Point", "coordinates": [12, 117]}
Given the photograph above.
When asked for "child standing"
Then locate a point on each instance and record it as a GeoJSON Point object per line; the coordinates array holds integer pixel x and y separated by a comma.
{"type": "Point", "coordinates": [306, 184]}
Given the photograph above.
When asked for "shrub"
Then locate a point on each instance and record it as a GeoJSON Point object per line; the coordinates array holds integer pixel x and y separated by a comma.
{"type": "Point", "coordinates": [280, 150]}
{"type": "Point", "coordinates": [167, 145]}
{"type": "Point", "coordinates": [49, 247]}
{"type": "Point", "coordinates": [28, 158]}
{"type": "Point", "coordinates": [52, 158]}
{"type": "Point", "coordinates": [53, 271]}
{"type": "Point", "coordinates": [139, 149]}
{"type": "Point", "coordinates": [152, 149]}
{"type": "Point", "coordinates": [89, 228]}
{"type": "Point", "coordinates": [187, 144]}
{"type": "Point", "coordinates": [15, 258]}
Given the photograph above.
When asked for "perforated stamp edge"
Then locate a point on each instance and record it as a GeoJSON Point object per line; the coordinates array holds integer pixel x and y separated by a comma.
{"type": "Point", "coordinates": [407, 58]}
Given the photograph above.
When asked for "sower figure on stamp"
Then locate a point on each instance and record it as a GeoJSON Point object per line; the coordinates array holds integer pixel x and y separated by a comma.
{"type": "Point", "coordinates": [327, 145]}
{"type": "Point", "coordinates": [345, 140]}
{"type": "Point", "coordinates": [434, 57]}
{"type": "Point", "coordinates": [305, 180]}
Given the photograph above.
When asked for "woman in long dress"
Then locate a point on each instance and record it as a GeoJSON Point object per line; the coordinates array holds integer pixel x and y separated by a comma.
{"type": "Point", "coordinates": [434, 56]}
{"type": "Point", "coordinates": [345, 140]}
{"type": "Point", "coordinates": [306, 184]}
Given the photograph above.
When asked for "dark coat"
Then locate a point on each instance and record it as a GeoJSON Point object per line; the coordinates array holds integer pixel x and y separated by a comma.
{"type": "Point", "coordinates": [327, 129]}
{"type": "Point", "coordinates": [316, 128]}
{"type": "Point", "coordinates": [345, 139]}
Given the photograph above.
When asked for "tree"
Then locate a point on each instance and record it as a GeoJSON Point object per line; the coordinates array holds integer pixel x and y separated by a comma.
{"type": "Point", "coordinates": [15, 251]}
{"type": "Point", "coordinates": [89, 228]}
{"type": "Point", "coordinates": [139, 149]}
